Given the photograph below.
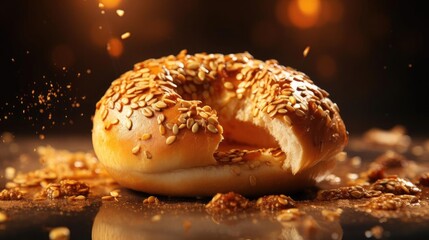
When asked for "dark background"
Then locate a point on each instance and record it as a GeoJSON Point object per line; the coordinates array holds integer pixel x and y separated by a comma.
{"type": "Point", "coordinates": [371, 56]}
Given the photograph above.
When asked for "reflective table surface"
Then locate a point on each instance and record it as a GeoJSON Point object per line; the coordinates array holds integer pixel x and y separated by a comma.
{"type": "Point", "coordinates": [127, 217]}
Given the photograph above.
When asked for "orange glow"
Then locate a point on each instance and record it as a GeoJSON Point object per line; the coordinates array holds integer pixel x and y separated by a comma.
{"type": "Point", "coordinates": [300, 13]}
{"type": "Point", "coordinates": [110, 3]}
{"type": "Point", "coordinates": [309, 7]}
{"type": "Point", "coordinates": [326, 66]}
{"type": "Point", "coordinates": [115, 47]}
{"type": "Point", "coordinates": [99, 35]}
{"type": "Point", "coordinates": [333, 10]}
{"type": "Point", "coordinates": [63, 56]}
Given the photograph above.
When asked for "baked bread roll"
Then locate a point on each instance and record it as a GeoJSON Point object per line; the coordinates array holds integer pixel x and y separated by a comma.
{"type": "Point", "coordinates": [197, 125]}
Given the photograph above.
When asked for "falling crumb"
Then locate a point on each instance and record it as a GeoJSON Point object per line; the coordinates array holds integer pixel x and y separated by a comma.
{"type": "Point", "coordinates": [100, 5]}
{"type": "Point", "coordinates": [306, 51]}
{"type": "Point", "coordinates": [151, 200]}
{"type": "Point", "coordinates": [120, 12]}
{"type": "Point", "coordinates": [88, 71]}
{"type": "Point", "coordinates": [125, 35]}
{"type": "Point", "coordinates": [41, 136]}
{"type": "Point", "coordinates": [115, 193]}
{"type": "Point", "coordinates": [59, 233]}
{"type": "Point", "coordinates": [410, 65]}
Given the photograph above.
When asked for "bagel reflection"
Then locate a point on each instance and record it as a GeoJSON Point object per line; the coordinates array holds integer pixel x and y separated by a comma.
{"type": "Point", "coordinates": [120, 222]}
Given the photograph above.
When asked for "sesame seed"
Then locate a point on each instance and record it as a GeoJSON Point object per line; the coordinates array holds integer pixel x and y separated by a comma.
{"type": "Point", "coordinates": [128, 123]}
{"type": "Point", "coordinates": [169, 101]}
{"type": "Point", "coordinates": [136, 150]}
{"type": "Point", "coordinates": [149, 97]}
{"type": "Point", "coordinates": [228, 85]}
{"type": "Point", "coordinates": [128, 112]}
{"type": "Point", "coordinates": [195, 127]}
{"type": "Point", "coordinates": [106, 198]}
{"type": "Point", "coordinates": [203, 115]}
{"type": "Point", "coordinates": [193, 65]}
{"type": "Point", "coordinates": [201, 75]}
{"type": "Point", "coordinates": [189, 123]}
{"type": "Point", "coordinates": [125, 101]}
{"type": "Point", "coordinates": [213, 120]}
{"type": "Point", "coordinates": [79, 197]}
{"type": "Point", "coordinates": [300, 113]}
{"type": "Point", "coordinates": [160, 118]}
{"type": "Point", "coordinates": [104, 114]}
{"type": "Point", "coordinates": [114, 121]}
{"type": "Point", "coordinates": [175, 129]}
{"type": "Point", "coordinates": [141, 103]}
{"type": "Point", "coordinates": [114, 193]}
{"type": "Point", "coordinates": [160, 104]}
{"type": "Point", "coordinates": [146, 136]}
{"type": "Point", "coordinates": [170, 140]}
{"type": "Point", "coordinates": [161, 129]}
{"type": "Point", "coordinates": [212, 128]}
{"type": "Point", "coordinates": [147, 112]}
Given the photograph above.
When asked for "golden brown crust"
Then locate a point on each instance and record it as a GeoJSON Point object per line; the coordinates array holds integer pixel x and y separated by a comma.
{"type": "Point", "coordinates": [169, 115]}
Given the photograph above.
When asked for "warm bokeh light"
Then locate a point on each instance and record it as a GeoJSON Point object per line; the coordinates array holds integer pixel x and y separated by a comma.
{"type": "Point", "coordinates": [99, 35]}
{"type": "Point", "coordinates": [333, 11]}
{"type": "Point", "coordinates": [309, 7]}
{"type": "Point", "coordinates": [110, 3]}
{"type": "Point", "coordinates": [300, 13]}
{"type": "Point", "coordinates": [326, 67]}
{"type": "Point", "coordinates": [308, 13]}
{"type": "Point", "coordinates": [115, 47]}
{"type": "Point", "coordinates": [62, 56]}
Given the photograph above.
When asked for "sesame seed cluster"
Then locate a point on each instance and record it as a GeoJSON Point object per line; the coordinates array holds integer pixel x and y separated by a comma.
{"type": "Point", "coordinates": [197, 86]}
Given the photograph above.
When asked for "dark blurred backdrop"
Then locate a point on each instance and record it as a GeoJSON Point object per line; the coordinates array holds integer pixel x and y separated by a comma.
{"type": "Point", "coordinates": [59, 57]}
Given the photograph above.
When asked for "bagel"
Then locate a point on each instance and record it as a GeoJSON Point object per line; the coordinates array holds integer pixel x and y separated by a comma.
{"type": "Point", "coordinates": [197, 125]}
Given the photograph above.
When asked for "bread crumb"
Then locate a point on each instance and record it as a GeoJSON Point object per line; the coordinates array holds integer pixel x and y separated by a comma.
{"type": "Point", "coordinates": [59, 233]}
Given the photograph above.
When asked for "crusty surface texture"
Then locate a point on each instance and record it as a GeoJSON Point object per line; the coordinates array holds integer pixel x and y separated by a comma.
{"type": "Point", "coordinates": [201, 124]}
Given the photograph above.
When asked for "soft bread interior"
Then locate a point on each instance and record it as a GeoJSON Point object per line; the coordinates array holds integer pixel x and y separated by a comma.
{"type": "Point", "coordinates": [240, 126]}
